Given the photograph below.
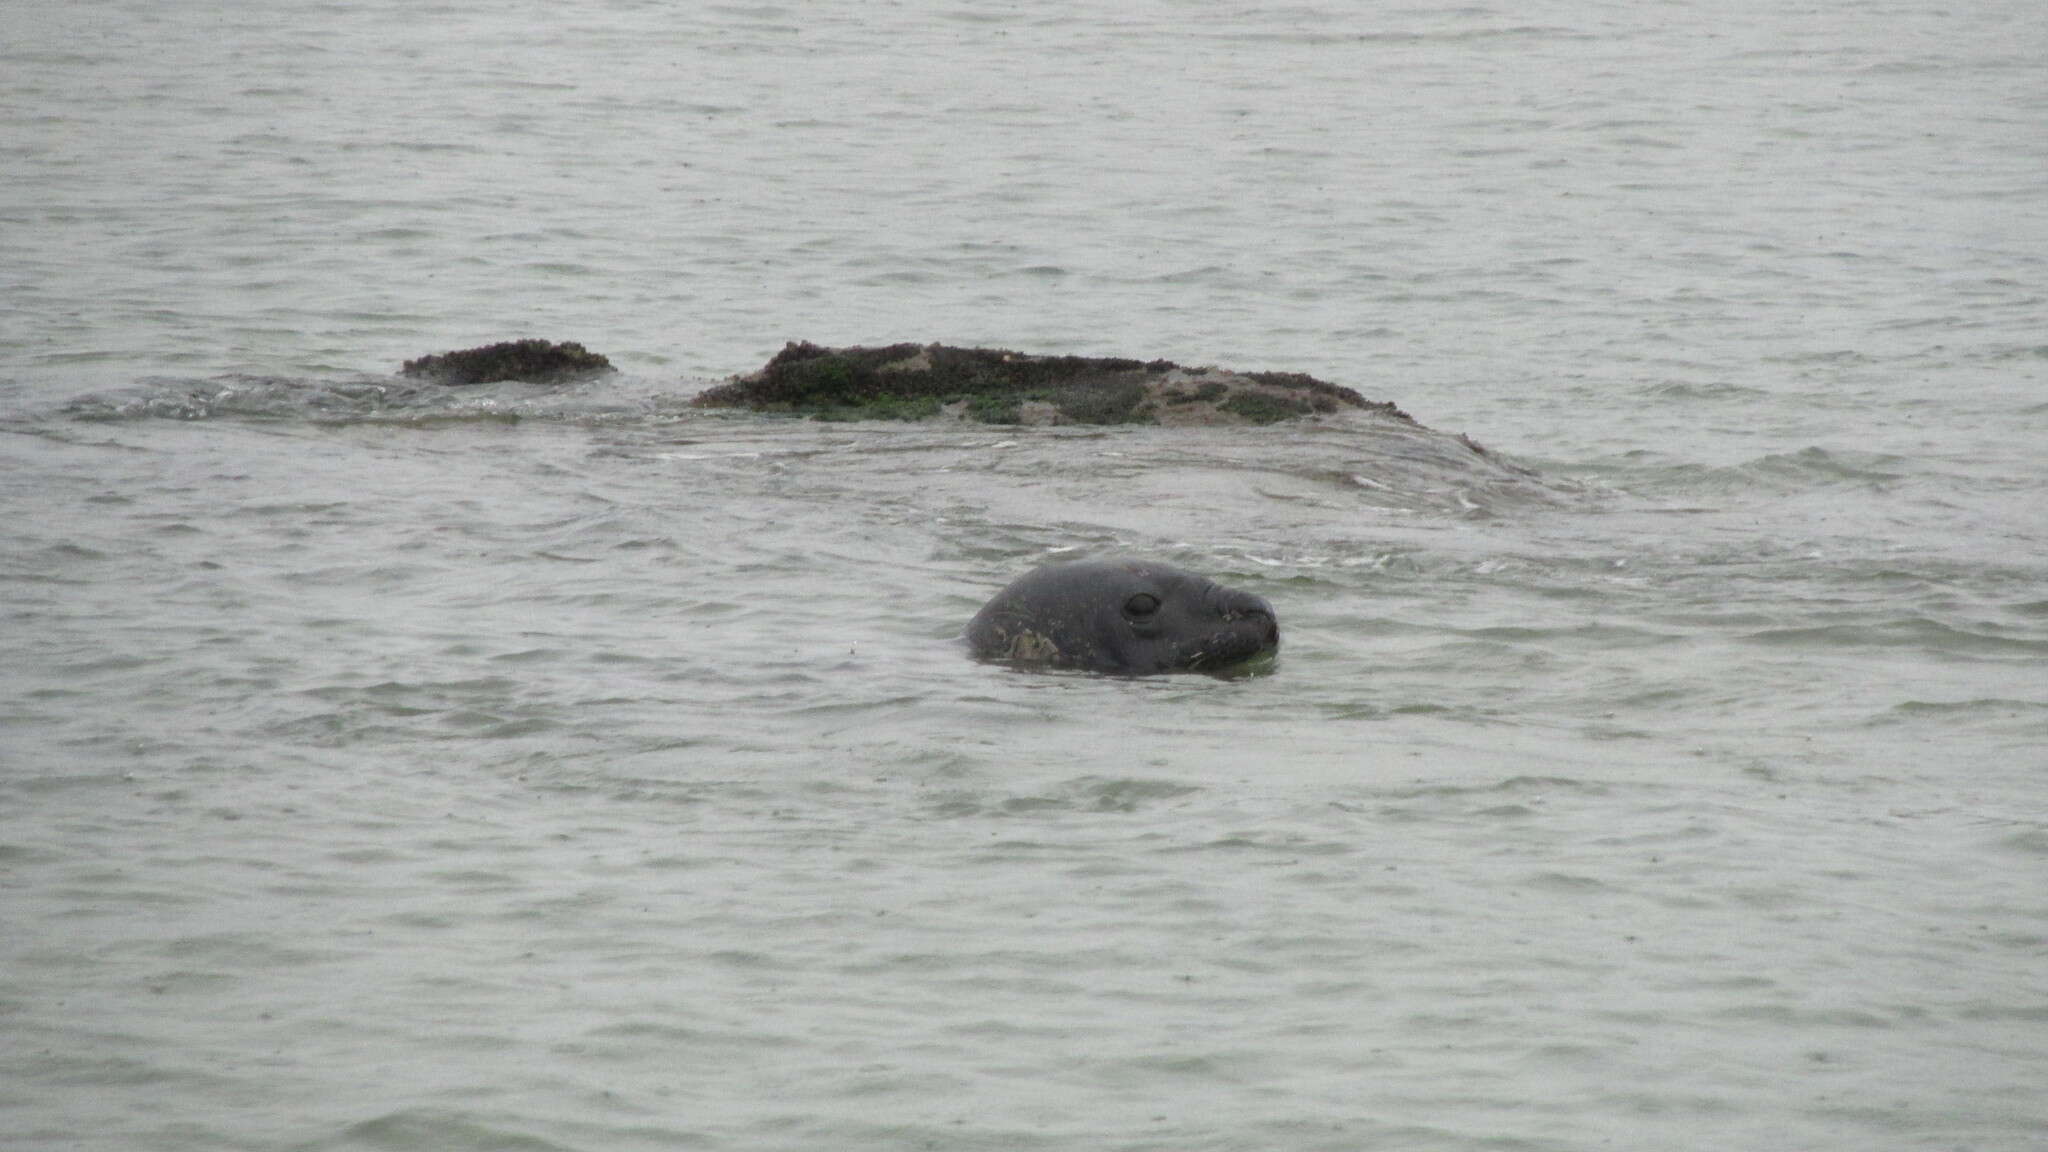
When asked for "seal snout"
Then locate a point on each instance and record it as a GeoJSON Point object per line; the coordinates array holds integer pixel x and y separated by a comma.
{"type": "Point", "coordinates": [1260, 613]}
{"type": "Point", "coordinates": [1243, 608]}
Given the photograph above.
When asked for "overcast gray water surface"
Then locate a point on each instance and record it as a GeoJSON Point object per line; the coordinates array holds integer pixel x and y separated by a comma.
{"type": "Point", "coordinates": [386, 766]}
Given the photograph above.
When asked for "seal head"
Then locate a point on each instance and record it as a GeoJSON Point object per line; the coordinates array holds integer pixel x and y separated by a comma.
{"type": "Point", "coordinates": [1133, 617]}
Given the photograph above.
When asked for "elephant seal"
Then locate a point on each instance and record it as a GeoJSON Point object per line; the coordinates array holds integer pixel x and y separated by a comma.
{"type": "Point", "coordinates": [1133, 617]}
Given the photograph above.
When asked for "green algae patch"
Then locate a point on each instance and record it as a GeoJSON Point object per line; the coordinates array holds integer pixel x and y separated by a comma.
{"type": "Point", "coordinates": [1103, 402]}
{"type": "Point", "coordinates": [1265, 408]}
{"type": "Point", "coordinates": [1208, 393]}
{"type": "Point", "coordinates": [998, 386]}
{"type": "Point", "coordinates": [538, 361]}
{"type": "Point", "coordinates": [989, 409]}
{"type": "Point", "coordinates": [885, 408]}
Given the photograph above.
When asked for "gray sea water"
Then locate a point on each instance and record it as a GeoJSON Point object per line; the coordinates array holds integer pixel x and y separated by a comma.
{"type": "Point", "coordinates": [385, 766]}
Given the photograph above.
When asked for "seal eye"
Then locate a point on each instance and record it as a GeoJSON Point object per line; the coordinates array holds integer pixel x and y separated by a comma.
{"type": "Point", "coordinates": [1142, 606]}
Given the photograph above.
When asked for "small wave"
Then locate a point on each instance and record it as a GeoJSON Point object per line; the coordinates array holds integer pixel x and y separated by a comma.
{"type": "Point", "coordinates": [2008, 353]}
{"type": "Point", "coordinates": [1513, 785]}
{"type": "Point", "coordinates": [1818, 466]}
{"type": "Point", "coordinates": [436, 1128]}
{"type": "Point", "coordinates": [1996, 704]}
{"type": "Point", "coordinates": [1832, 356]}
{"type": "Point", "coordinates": [2025, 720]}
{"type": "Point", "coordinates": [1498, 33]}
{"type": "Point", "coordinates": [2032, 842]}
{"type": "Point", "coordinates": [1812, 469]}
{"type": "Point", "coordinates": [1919, 632]}
{"type": "Point", "coordinates": [1714, 390]}
{"type": "Point", "coordinates": [1109, 794]}
{"type": "Point", "coordinates": [379, 399]}
{"type": "Point", "coordinates": [1599, 636]}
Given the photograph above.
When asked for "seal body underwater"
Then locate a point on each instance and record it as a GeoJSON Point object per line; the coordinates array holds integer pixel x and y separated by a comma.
{"type": "Point", "coordinates": [1134, 617]}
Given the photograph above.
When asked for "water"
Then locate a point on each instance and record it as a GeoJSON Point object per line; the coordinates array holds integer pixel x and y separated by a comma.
{"type": "Point", "coordinates": [392, 767]}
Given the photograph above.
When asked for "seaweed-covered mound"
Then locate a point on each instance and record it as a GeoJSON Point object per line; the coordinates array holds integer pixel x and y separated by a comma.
{"type": "Point", "coordinates": [539, 361]}
{"type": "Point", "coordinates": [925, 381]}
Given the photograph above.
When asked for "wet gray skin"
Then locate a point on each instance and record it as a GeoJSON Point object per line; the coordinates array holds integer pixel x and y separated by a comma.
{"type": "Point", "coordinates": [1132, 617]}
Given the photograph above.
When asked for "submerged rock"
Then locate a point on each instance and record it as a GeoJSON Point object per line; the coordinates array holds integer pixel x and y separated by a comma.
{"type": "Point", "coordinates": [539, 361]}
{"type": "Point", "coordinates": [994, 386]}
